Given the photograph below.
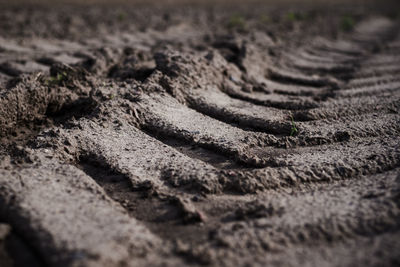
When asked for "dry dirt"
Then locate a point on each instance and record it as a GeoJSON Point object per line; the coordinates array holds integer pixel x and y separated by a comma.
{"type": "Point", "coordinates": [259, 134]}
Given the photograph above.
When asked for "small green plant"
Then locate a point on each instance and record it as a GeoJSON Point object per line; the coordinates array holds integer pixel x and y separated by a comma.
{"type": "Point", "coordinates": [265, 19]}
{"type": "Point", "coordinates": [347, 23]}
{"type": "Point", "coordinates": [236, 22]}
{"type": "Point", "coordinates": [61, 77]}
{"type": "Point", "coordinates": [121, 16]}
{"type": "Point", "coordinates": [294, 130]}
{"type": "Point", "coordinates": [291, 16]}
{"type": "Point", "coordinates": [294, 16]}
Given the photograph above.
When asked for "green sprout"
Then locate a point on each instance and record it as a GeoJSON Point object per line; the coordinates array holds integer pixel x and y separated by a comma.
{"type": "Point", "coordinates": [236, 22]}
{"type": "Point", "coordinates": [291, 16]}
{"type": "Point", "coordinates": [294, 130]}
{"type": "Point", "coordinates": [294, 16]}
{"type": "Point", "coordinates": [57, 79]}
{"type": "Point", "coordinates": [347, 23]}
{"type": "Point", "coordinates": [121, 16]}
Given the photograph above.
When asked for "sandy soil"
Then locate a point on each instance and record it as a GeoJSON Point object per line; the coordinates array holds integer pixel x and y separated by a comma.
{"type": "Point", "coordinates": [249, 134]}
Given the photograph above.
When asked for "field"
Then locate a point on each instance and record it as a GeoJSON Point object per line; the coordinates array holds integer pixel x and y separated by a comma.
{"type": "Point", "coordinates": [190, 133]}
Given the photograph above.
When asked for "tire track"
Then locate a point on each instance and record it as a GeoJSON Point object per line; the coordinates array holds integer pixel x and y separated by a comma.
{"type": "Point", "coordinates": [172, 144]}
{"type": "Point", "coordinates": [72, 195]}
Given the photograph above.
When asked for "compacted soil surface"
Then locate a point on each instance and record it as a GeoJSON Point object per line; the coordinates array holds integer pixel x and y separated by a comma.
{"type": "Point", "coordinates": [188, 134]}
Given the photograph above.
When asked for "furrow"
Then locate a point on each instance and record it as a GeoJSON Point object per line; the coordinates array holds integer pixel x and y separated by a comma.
{"type": "Point", "coordinates": [289, 89]}
{"type": "Point", "coordinates": [311, 56]}
{"type": "Point", "coordinates": [326, 163]}
{"type": "Point", "coordinates": [348, 128]}
{"type": "Point", "coordinates": [339, 48]}
{"type": "Point", "coordinates": [321, 67]}
{"type": "Point", "coordinates": [220, 106]}
{"type": "Point", "coordinates": [274, 100]}
{"type": "Point", "coordinates": [336, 217]}
{"type": "Point", "coordinates": [352, 106]}
{"type": "Point", "coordinates": [146, 161]}
{"type": "Point", "coordinates": [162, 213]}
{"type": "Point", "coordinates": [99, 226]}
{"type": "Point", "coordinates": [366, 71]}
{"type": "Point", "coordinates": [288, 76]}
{"type": "Point", "coordinates": [376, 79]}
{"type": "Point", "coordinates": [163, 114]}
{"type": "Point", "coordinates": [382, 59]}
{"type": "Point", "coordinates": [349, 153]}
{"type": "Point", "coordinates": [370, 90]}
{"type": "Point", "coordinates": [308, 61]}
{"type": "Point", "coordinates": [217, 160]}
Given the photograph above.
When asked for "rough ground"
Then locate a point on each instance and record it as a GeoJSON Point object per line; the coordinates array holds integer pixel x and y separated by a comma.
{"type": "Point", "coordinates": [186, 135]}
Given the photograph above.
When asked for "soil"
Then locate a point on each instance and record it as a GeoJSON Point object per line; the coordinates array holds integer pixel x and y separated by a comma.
{"type": "Point", "coordinates": [195, 133]}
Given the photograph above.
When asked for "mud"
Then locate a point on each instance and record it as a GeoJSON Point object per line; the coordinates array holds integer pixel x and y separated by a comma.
{"type": "Point", "coordinates": [187, 134]}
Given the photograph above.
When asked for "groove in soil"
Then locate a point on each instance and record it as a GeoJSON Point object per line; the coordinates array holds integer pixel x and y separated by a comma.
{"type": "Point", "coordinates": [160, 213]}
